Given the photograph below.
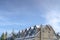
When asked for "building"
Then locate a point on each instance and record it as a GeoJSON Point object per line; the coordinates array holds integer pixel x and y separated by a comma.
{"type": "Point", "coordinates": [37, 32]}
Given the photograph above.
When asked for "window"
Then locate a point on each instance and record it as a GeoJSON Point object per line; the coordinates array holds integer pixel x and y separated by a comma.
{"type": "Point", "coordinates": [49, 32]}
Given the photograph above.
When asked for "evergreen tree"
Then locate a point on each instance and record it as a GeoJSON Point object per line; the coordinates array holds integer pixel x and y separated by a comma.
{"type": "Point", "coordinates": [2, 36]}
{"type": "Point", "coordinates": [13, 35]}
{"type": "Point", "coordinates": [5, 36]}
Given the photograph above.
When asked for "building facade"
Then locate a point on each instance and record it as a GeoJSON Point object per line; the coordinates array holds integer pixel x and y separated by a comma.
{"type": "Point", "coordinates": [37, 32]}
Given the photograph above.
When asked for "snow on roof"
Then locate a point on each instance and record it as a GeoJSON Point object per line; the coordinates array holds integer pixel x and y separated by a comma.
{"type": "Point", "coordinates": [27, 28]}
{"type": "Point", "coordinates": [20, 30]}
{"type": "Point", "coordinates": [38, 26]}
{"type": "Point", "coordinates": [32, 27]}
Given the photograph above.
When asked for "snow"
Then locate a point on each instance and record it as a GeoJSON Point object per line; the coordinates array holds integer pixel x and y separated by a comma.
{"type": "Point", "coordinates": [38, 26]}
{"type": "Point", "coordinates": [32, 27]}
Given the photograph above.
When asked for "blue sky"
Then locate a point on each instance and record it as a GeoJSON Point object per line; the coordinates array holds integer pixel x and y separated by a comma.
{"type": "Point", "coordinates": [21, 14]}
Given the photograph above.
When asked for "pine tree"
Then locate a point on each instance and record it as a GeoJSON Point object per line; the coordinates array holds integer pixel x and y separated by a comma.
{"type": "Point", "coordinates": [2, 36]}
{"type": "Point", "coordinates": [5, 36]}
{"type": "Point", "coordinates": [13, 35]}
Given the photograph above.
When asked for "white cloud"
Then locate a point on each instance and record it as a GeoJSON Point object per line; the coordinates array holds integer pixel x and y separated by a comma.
{"type": "Point", "coordinates": [51, 13]}
{"type": "Point", "coordinates": [53, 18]}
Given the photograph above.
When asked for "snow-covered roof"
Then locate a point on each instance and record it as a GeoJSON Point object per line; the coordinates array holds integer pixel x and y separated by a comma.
{"type": "Point", "coordinates": [38, 26]}
{"type": "Point", "coordinates": [30, 32]}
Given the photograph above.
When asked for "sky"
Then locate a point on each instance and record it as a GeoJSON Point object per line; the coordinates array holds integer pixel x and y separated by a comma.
{"type": "Point", "coordinates": [20, 14]}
